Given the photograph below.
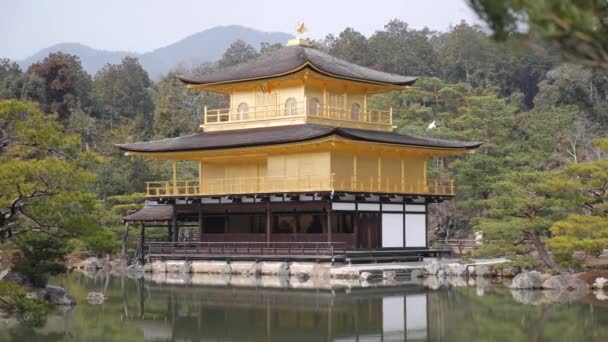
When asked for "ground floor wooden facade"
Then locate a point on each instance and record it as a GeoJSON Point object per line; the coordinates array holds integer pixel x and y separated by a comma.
{"type": "Point", "coordinates": [359, 224]}
{"type": "Point", "coordinates": [274, 225]}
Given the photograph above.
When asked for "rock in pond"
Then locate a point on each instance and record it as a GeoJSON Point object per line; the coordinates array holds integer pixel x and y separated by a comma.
{"type": "Point", "coordinates": [565, 283]}
{"type": "Point", "coordinates": [527, 280]}
{"type": "Point", "coordinates": [58, 295]}
{"type": "Point", "coordinates": [95, 298]}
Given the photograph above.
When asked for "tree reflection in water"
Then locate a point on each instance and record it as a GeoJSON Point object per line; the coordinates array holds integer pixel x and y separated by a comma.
{"type": "Point", "coordinates": [137, 310]}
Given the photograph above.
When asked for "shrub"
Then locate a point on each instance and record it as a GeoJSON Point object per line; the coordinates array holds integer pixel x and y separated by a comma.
{"type": "Point", "coordinates": [40, 255]}
{"type": "Point", "coordinates": [14, 300]}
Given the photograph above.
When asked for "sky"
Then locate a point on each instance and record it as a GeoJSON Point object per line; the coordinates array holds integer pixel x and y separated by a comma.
{"type": "Point", "coordinates": [27, 26]}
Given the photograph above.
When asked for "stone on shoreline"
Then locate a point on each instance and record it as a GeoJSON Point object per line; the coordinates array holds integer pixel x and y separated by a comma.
{"type": "Point", "coordinates": [432, 268]}
{"type": "Point", "coordinates": [298, 269]}
{"type": "Point", "coordinates": [417, 274]}
{"type": "Point", "coordinates": [483, 270]}
{"type": "Point", "coordinates": [178, 267]}
{"type": "Point", "coordinates": [389, 276]}
{"type": "Point", "coordinates": [365, 275]}
{"type": "Point", "coordinates": [310, 269]}
{"type": "Point", "coordinates": [211, 267]}
{"type": "Point", "coordinates": [158, 267]}
{"type": "Point", "coordinates": [510, 271]}
{"type": "Point", "coordinates": [527, 280]}
{"type": "Point", "coordinates": [280, 269]}
{"type": "Point", "coordinates": [456, 269]}
{"type": "Point", "coordinates": [600, 283]}
{"type": "Point", "coordinates": [245, 268]}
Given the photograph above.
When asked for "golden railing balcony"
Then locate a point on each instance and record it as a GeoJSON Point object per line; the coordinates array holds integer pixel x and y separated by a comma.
{"type": "Point", "coordinates": [270, 185]}
{"type": "Point", "coordinates": [357, 117]}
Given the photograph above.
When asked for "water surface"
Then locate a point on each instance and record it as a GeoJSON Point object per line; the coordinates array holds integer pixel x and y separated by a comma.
{"type": "Point", "coordinates": [139, 310]}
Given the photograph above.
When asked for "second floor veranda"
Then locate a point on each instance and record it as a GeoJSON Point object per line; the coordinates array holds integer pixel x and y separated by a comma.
{"type": "Point", "coordinates": [293, 112]}
{"type": "Point", "coordinates": [298, 184]}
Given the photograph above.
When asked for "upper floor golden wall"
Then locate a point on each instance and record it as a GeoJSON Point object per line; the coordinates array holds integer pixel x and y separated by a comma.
{"type": "Point", "coordinates": [305, 97]}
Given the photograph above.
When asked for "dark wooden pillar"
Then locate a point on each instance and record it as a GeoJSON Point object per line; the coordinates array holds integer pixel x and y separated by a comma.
{"type": "Point", "coordinates": [142, 238]}
{"type": "Point", "coordinates": [169, 231]}
{"type": "Point", "coordinates": [200, 222]}
{"type": "Point", "coordinates": [226, 223]}
{"type": "Point", "coordinates": [356, 226]}
{"type": "Point", "coordinates": [268, 222]}
{"type": "Point", "coordinates": [328, 217]}
{"type": "Point", "coordinates": [175, 228]}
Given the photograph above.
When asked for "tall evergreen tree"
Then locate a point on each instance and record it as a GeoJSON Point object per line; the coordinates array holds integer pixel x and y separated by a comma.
{"type": "Point", "coordinates": [60, 84]}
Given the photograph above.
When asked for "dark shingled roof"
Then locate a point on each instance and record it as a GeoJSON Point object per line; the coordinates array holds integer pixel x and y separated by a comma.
{"type": "Point", "coordinates": [284, 134]}
{"type": "Point", "coordinates": [292, 59]}
{"type": "Point", "coordinates": [151, 213]}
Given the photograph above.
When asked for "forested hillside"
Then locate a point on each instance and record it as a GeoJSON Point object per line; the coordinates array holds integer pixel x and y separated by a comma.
{"type": "Point", "coordinates": [541, 174]}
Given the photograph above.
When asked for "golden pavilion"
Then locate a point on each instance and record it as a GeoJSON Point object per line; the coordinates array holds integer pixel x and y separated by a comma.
{"type": "Point", "coordinates": [298, 165]}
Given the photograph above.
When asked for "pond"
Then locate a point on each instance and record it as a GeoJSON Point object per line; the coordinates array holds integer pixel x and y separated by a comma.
{"type": "Point", "coordinates": [139, 310]}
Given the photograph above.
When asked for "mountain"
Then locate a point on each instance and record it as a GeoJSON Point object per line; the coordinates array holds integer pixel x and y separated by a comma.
{"type": "Point", "coordinates": [92, 59]}
{"type": "Point", "coordinates": [206, 46]}
{"type": "Point", "coordinates": [201, 47]}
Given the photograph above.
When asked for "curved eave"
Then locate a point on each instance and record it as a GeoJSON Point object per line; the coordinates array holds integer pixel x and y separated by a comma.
{"type": "Point", "coordinates": [133, 150]}
{"type": "Point", "coordinates": [470, 145]}
{"type": "Point", "coordinates": [192, 83]}
{"type": "Point", "coordinates": [125, 148]}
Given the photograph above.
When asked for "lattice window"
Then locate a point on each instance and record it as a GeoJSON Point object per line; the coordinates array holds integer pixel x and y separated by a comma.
{"type": "Point", "coordinates": [243, 111]}
{"type": "Point", "coordinates": [291, 107]}
{"type": "Point", "coordinates": [355, 111]}
{"type": "Point", "coordinates": [313, 106]}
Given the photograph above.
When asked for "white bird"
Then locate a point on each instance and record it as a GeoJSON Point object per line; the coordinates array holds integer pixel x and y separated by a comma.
{"type": "Point", "coordinates": [431, 125]}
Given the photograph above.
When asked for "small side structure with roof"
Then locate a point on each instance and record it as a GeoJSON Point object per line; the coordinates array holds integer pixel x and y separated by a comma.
{"type": "Point", "coordinates": [298, 166]}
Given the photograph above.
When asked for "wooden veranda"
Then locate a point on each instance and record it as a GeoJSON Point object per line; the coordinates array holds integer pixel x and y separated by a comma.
{"type": "Point", "coordinates": [281, 251]}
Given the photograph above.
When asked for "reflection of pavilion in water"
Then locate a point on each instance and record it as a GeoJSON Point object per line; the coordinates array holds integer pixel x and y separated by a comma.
{"type": "Point", "coordinates": [184, 313]}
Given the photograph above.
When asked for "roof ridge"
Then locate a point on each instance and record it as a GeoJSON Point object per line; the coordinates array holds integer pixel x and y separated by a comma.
{"type": "Point", "coordinates": [290, 59]}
